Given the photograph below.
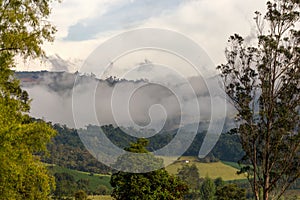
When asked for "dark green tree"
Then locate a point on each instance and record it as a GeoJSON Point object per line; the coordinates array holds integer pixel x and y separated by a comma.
{"type": "Point", "coordinates": [190, 175]}
{"type": "Point", "coordinates": [207, 189]}
{"type": "Point", "coordinates": [230, 192]}
{"type": "Point", "coordinates": [138, 159]}
{"type": "Point", "coordinates": [263, 83]}
{"type": "Point", "coordinates": [80, 195]}
{"type": "Point", "coordinates": [103, 190]}
{"type": "Point", "coordinates": [153, 185]}
{"type": "Point", "coordinates": [65, 185]}
{"type": "Point", "coordinates": [219, 182]}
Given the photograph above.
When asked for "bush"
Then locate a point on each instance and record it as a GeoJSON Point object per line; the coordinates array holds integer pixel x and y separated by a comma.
{"type": "Point", "coordinates": [80, 195]}
{"type": "Point", "coordinates": [103, 190]}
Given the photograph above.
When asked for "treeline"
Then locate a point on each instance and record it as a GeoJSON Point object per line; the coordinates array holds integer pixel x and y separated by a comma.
{"type": "Point", "coordinates": [64, 81]}
{"type": "Point", "coordinates": [67, 150]}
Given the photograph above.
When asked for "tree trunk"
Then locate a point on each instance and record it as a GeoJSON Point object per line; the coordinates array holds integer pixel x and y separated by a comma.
{"type": "Point", "coordinates": [266, 188]}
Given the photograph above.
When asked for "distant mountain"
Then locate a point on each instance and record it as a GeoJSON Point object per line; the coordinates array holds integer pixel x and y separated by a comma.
{"type": "Point", "coordinates": [53, 96]}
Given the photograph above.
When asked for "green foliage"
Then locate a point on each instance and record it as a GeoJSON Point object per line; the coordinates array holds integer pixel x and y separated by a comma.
{"type": "Point", "coordinates": [24, 26]}
{"type": "Point", "coordinates": [245, 185]}
{"type": "Point", "coordinates": [152, 185]}
{"type": "Point", "coordinates": [22, 175]}
{"type": "Point", "coordinates": [207, 189]}
{"type": "Point", "coordinates": [138, 159]}
{"type": "Point", "coordinates": [230, 192]}
{"type": "Point", "coordinates": [263, 82]}
{"type": "Point", "coordinates": [82, 180]}
{"type": "Point", "coordinates": [103, 190]}
{"type": "Point", "coordinates": [65, 185]}
{"type": "Point", "coordinates": [80, 195]}
{"type": "Point", "coordinates": [83, 184]}
{"type": "Point", "coordinates": [219, 182]}
{"type": "Point", "coordinates": [228, 148]}
{"type": "Point", "coordinates": [190, 175]}
{"type": "Point", "coordinates": [123, 140]}
{"type": "Point", "coordinates": [23, 29]}
{"type": "Point", "coordinates": [67, 150]}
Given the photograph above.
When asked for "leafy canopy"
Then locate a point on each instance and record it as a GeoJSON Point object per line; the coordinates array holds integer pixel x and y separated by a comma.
{"type": "Point", "coordinates": [24, 26]}
{"type": "Point", "coordinates": [23, 29]}
{"type": "Point", "coordinates": [152, 185]}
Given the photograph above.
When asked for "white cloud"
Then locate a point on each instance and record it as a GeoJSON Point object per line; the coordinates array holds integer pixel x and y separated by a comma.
{"type": "Point", "coordinates": [125, 103]}
{"type": "Point", "coordinates": [69, 12]}
{"type": "Point", "coordinates": [210, 23]}
{"type": "Point", "coordinates": [117, 17]}
{"type": "Point", "coordinates": [207, 22]}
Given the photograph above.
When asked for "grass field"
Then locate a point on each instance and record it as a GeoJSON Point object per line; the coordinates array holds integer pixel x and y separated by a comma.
{"type": "Point", "coordinates": [94, 180]}
{"type": "Point", "coordinates": [232, 164]}
{"type": "Point", "coordinates": [226, 170]}
{"type": "Point", "coordinates": [213, 170]}
{"type": "Point", "coordinates": [100, 197]}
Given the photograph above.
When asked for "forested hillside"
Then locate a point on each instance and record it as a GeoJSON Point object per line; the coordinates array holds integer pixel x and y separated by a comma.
{"type": "Point", "coordinates": [67, 150]}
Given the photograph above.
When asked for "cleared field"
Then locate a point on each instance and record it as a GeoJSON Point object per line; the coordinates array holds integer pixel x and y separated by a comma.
{"type": "Point", "coordinates": [94, 179]}
{"type": "Point", "coordinates": [233, 164]}
{"type": "Point", "coordinates": [213, 170]}
{"type": "Point", "coordinates": [226, 170]}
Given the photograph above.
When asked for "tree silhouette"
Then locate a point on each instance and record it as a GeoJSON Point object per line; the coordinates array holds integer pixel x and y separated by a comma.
{"type": "Point", "coordinates": [263, 83]}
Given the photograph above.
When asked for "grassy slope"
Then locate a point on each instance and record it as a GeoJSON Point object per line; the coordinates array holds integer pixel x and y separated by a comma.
{"type": "Point", "coordinates": [213, 170]}
{"type": "Point", "coordinates": [95, 180]}
{"type": "Point", "coordinates": [232, 164]}
{"type": "Point", "coordinates": [226, 170]}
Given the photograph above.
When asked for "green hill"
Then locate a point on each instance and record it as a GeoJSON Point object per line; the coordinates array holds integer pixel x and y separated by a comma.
{"type": "Point", "coordinates": [213, 169]}
{"type": "Point", "coordinates": [95, 180]}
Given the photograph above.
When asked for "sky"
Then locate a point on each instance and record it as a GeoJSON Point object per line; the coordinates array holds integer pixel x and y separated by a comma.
{"type": "Point", "coordinates": [84, 25]}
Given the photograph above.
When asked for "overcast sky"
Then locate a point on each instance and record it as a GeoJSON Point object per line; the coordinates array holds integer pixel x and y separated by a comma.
{"type": "Point", "coordinates": [84, 25]}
